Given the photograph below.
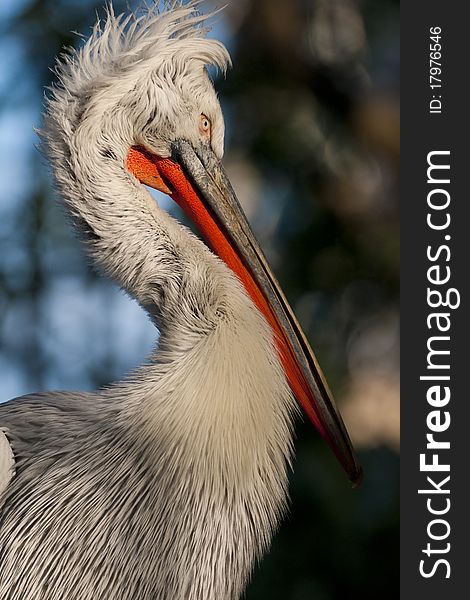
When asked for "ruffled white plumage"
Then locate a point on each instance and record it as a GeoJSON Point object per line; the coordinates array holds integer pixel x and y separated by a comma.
{"type": "Point", "coordinates": [169, 484]}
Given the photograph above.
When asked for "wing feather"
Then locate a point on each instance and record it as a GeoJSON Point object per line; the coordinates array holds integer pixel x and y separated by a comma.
{"type": "Point", "coordinates": [7, 463]}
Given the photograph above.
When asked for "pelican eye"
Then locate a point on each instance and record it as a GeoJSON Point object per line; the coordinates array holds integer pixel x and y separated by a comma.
{"type": "Point", "coordinates": [205, 127]}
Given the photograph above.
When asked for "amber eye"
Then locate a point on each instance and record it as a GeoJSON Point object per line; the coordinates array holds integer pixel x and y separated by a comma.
{"type": "Point", "coordinates": [205, 127]}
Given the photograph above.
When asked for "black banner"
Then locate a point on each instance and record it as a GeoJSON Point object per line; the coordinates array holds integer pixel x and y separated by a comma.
{"type": "Point", "coordinates": [435, 404]}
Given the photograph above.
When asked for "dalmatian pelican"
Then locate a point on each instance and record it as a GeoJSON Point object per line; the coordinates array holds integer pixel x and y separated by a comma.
{"type": "Point", "coordinates": [169, 484]}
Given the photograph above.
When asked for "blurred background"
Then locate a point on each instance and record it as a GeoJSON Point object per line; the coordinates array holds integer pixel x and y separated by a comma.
{"type": "Point", "coordinates": [312, 150]}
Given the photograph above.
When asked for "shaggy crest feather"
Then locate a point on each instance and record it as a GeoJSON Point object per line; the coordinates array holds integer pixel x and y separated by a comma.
{"type": "Point", "coordinates": [170, 483]}
{"type": "Point", "coordinates": [124, 49]}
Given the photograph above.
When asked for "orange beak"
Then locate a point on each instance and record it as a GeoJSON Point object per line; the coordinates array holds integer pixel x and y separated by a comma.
{"type": "Point", "coordinates": [195, 179]}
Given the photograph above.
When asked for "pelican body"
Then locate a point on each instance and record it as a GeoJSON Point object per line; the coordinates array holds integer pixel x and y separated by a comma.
{"type": "Point", "coordinates": [169, 484]}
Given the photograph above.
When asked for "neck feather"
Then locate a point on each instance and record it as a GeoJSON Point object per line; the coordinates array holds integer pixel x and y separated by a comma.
{"type": "Point", "coordinates": [126, 234]}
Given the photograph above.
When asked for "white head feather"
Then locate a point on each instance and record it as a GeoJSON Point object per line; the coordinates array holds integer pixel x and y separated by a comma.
{"type": "Point", "coordinates": [149, 71]}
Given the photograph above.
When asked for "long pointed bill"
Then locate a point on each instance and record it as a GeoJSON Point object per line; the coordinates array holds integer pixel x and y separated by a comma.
{"type": "Point", "coordinates": [195, 179]}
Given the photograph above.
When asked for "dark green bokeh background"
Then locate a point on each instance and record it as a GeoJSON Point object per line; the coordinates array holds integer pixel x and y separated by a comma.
{"type": "Point", "coordinates": [312, 148]}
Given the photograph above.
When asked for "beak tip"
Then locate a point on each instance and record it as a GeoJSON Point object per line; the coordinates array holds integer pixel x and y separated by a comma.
{"type": "Point", "coordinates": [357, 477]}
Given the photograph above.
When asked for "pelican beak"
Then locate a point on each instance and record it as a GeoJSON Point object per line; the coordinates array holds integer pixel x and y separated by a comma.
{"type": "Point", "coordinates": [196, 180]}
